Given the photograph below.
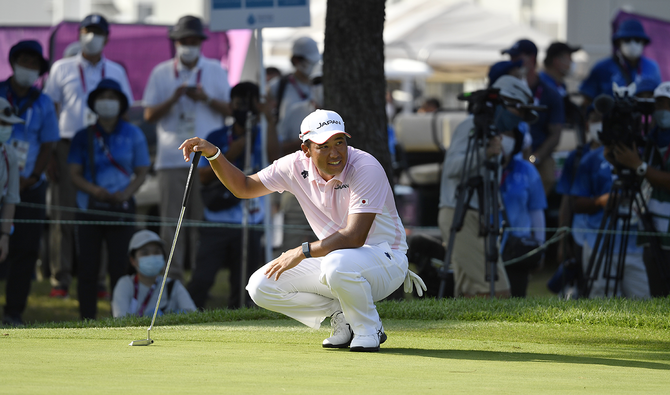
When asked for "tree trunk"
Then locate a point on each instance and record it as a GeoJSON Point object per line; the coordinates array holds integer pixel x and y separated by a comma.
{"type": "Point", "coordinates": [353, 73]}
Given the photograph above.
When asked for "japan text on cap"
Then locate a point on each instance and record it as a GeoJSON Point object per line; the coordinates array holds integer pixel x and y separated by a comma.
{"type": "Point", "coordinates": [321, 125]}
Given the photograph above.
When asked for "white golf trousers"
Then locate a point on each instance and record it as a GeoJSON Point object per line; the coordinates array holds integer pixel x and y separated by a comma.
{"type": "Point", "coordinates": [350, 280]}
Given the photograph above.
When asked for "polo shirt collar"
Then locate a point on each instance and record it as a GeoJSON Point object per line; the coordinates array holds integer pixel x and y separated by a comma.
{"type": "Point", "coordinates": [83, 61]}
{"type": "Point", "coordinates": [181, 67]}
{"type": "Point", "coordinates": [315, 176]}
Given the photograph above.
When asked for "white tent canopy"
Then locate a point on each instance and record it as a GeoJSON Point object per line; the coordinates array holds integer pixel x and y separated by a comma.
{"type": "Point", "coordinates": [452, 36]}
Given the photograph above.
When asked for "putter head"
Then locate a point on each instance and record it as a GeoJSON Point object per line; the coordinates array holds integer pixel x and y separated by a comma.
{"type": "Point", "coordinates": [144, 342]}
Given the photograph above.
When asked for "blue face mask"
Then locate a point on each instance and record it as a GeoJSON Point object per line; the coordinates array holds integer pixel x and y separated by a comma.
{"type": "Point", "coordinates": [505, 121]}
{"type": "Point", "coordinates": [151, 265]}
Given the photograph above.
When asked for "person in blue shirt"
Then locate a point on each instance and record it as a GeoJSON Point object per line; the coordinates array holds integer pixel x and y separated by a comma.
{"type": "Point", "coordinates": [222, 246]}
{"type": "Point", "coordinates": [108, 163]}
{"type": "Point", "coordinates": [591, 191]}
{"type": "Point", "coordinates": [625, 66]}
{"type": "Point", "coordinates": [546, 131]}
{"type": "Point", "coordinates": [524, 201]}
{"type": "Point", "coordinates": [32, 141]}
{"type": "Point", "coordinates": [558, 65]}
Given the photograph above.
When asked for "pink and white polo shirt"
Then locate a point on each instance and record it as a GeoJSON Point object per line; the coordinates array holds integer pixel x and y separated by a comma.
{"type": "Point", "coordinates": [362, 187]}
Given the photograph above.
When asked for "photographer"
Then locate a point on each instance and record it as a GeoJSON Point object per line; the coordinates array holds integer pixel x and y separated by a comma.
{"type": "Point", "coordinates": [658, 175]}
{"type": "Point", "coordinates": [591, 190]}
{"type": "Point", "coordinates": [469, 255]}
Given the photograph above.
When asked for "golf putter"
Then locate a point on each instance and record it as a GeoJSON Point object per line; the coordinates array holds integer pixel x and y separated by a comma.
{"type": "Point", "coordinates": [189, 184]}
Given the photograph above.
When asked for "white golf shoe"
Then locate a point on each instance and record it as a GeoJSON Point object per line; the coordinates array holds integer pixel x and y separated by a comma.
{"type": "Point", "coordinates": [341, 334]}
{"type": "Point", "coordinates": [368, 343]}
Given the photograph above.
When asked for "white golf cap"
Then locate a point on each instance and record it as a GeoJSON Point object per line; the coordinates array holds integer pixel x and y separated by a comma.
{"type": "Point", "coordinates": [513, 88]}
{"type": "Point", "coordinates": [7, 112]}
{"type": "Point", "coordinates": [142, 238]}
{"type": "Point", "coordinates": [307, 48]}
{"type": "Point", "coordinates": [662, 90]}
{"type": "Point", "coordinates": [321, 125]}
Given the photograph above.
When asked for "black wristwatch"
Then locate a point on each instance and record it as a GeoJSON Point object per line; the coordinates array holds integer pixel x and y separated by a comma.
{"type": "Point", "coordinates": [305, 249]}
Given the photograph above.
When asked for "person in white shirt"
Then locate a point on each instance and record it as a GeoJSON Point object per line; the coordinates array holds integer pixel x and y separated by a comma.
{"type": "Point", "coordinates": [188, 97]}
{"type": "Point", "coordinates": [136, 294]}
{"type": "Point", "coordinates": [70, 81]}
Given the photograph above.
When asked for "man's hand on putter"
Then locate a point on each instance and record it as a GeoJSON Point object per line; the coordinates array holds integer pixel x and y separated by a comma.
{"type": "Point", "coordinates": [195, 144]}
{"type": "Point", "coordinates": [286, 261]}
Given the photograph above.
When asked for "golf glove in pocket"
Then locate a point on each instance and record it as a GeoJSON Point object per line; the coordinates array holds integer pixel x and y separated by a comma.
{"type": "Point", "coordinates": [412, 280]}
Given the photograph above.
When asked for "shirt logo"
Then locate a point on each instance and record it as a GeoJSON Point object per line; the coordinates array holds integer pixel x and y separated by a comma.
{"type": "Point", "coordinates": [364, 202]}
{"type": "Point", "coordinates": [387, 255]}
{"type": "Point", "coordinates": [304, 174]}
{"type": "Point", "coordinates": [328, 122]}
{"type": "Point", "coordinates": [342, 186]}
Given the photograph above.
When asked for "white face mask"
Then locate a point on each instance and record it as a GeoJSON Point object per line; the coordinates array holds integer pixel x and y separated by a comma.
{"type": "Point", "coordinates": [91, 44]}
{"type": "Point", "coordinates": [594, 129]}
{"type": "Point", "coordinates": [305, 67]}
{"type": "Point", "coordinates": [317, 94]}
{"type": "Point", "coordinates": [632, 50]}
{"type": "Point", "coordinates": [188, 53]}
{"type": "Point", "coordinates": [508, 144]}
{"type": "Point", "coordinates": [107, 108]}
{"type": "Point", "coordinates": [5, 133]}
{"type": "Point", "coordinates": [24, 76]}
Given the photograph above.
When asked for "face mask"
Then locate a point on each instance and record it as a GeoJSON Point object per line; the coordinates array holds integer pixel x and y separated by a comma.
{"type": "Point", "coordinates": [305, 67]}
{"type": "Point", "coordinates": [317, 94]}
{"type": "Point", "coordinates": [188, 53]}
{"type": "Point", "coordinates": [5, 133]}
{"type": "Point", "coordinates": [505, 121]}
{"type": "Point", "coordinates": [594, 129]}
{"type": "Point", "coordinates": [632, 49]}
{"type": "Point", "coordinates": [92, 44]}
{"type": "Point", "coordinates": [151, 265]}
{"type": "Point", "coordinates": [24, 76]}
{"type": "Point", "coordinates": [662, 118]}
{"type": "Point", "coordinates": [508, 144]}
{"type": "Point", "coordinates": [107, 108]}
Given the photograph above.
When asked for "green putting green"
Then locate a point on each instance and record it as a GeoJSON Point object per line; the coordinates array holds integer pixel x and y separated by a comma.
{"type": "Point", "coordinates": [274, 356]}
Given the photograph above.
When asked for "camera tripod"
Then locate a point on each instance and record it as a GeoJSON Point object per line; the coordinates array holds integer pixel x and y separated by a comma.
{"type": "Point", "coordinates": [486, 187]}
{"type": "Point", "coordinates": [625, 199]}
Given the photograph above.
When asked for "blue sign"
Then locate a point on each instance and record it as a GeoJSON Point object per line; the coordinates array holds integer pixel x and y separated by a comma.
{"type": "Point", "coordinates": [257, 14]}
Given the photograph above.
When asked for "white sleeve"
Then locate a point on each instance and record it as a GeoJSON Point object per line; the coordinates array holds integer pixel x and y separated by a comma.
{"type": "Point", "coordinates": [123, 295]}
{"type": "Point", "coordinates": [225, 85]}
{"type": "Point", "coordinates": [13, 195]}
{"type": "Point", "coordinates": [52, 88]}
{"type": "Point", "coordinates": [152, 95]}
{"type": "Point", "coordinates": [537, 222]}
{"type": "Point", "coordinates": [180, 300]}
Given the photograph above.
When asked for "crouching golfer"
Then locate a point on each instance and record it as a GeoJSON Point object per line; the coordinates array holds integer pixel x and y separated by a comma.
{"type": "Point", "coordinates": [360, 256]}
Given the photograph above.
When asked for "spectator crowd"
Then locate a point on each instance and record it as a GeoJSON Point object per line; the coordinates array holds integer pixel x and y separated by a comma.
{"type": "Point", "coordinates": [73, 140]}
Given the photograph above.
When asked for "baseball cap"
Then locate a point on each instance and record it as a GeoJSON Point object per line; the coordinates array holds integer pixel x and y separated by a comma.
{"type": "Point", "coordinates": [7, 113]}
{"type": "Point", "coordinates": [29, 46]}
{"type": "Point", "coordinates": [663, 90]}
{"type": "Point", "coordinates": [513, 88]}
{"type": "Point", "coordinates": [502, 68]}
{"type": "Point", "coordinates": [321, 125]}
{"type": "Point", "coordinates": [307, 48]}
{"type": "Point", "coordinates": [557, 48]}
{"type": "Point", "coordinates": [142, 238]}
{"type": "Point", "coordinates": [187, 26]}
{"type": "Point", "coordinates": [523, 46]}
{"type": "Point", "coordinates": [95, 20]}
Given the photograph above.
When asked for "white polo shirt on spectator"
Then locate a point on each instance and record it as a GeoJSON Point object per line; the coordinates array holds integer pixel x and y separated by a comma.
{"type": "Point", "coordinates": [361, 187]}
{"type": "Point", "coordinates": [71, 80]}
{"type": "Point", "coordinates": [186, 118]}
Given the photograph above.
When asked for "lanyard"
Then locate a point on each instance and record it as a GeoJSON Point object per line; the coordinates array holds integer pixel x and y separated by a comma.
{"type": "Point", "coordinates": [83, 79]}
{"type": "Point", "coordinates": [108, 154]}
{"type": "Point", "coordinates": [136, 284]}
{"type": "Point", "coordinates": [302, 94]}
{"type": "Point", "coordinates": [197, 77]}
{"type": "Point", "coordinates": [4, 153]}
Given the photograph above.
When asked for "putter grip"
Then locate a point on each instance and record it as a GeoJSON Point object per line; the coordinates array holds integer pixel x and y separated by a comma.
{"type": "Point", "coordinates": [189, 180]}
